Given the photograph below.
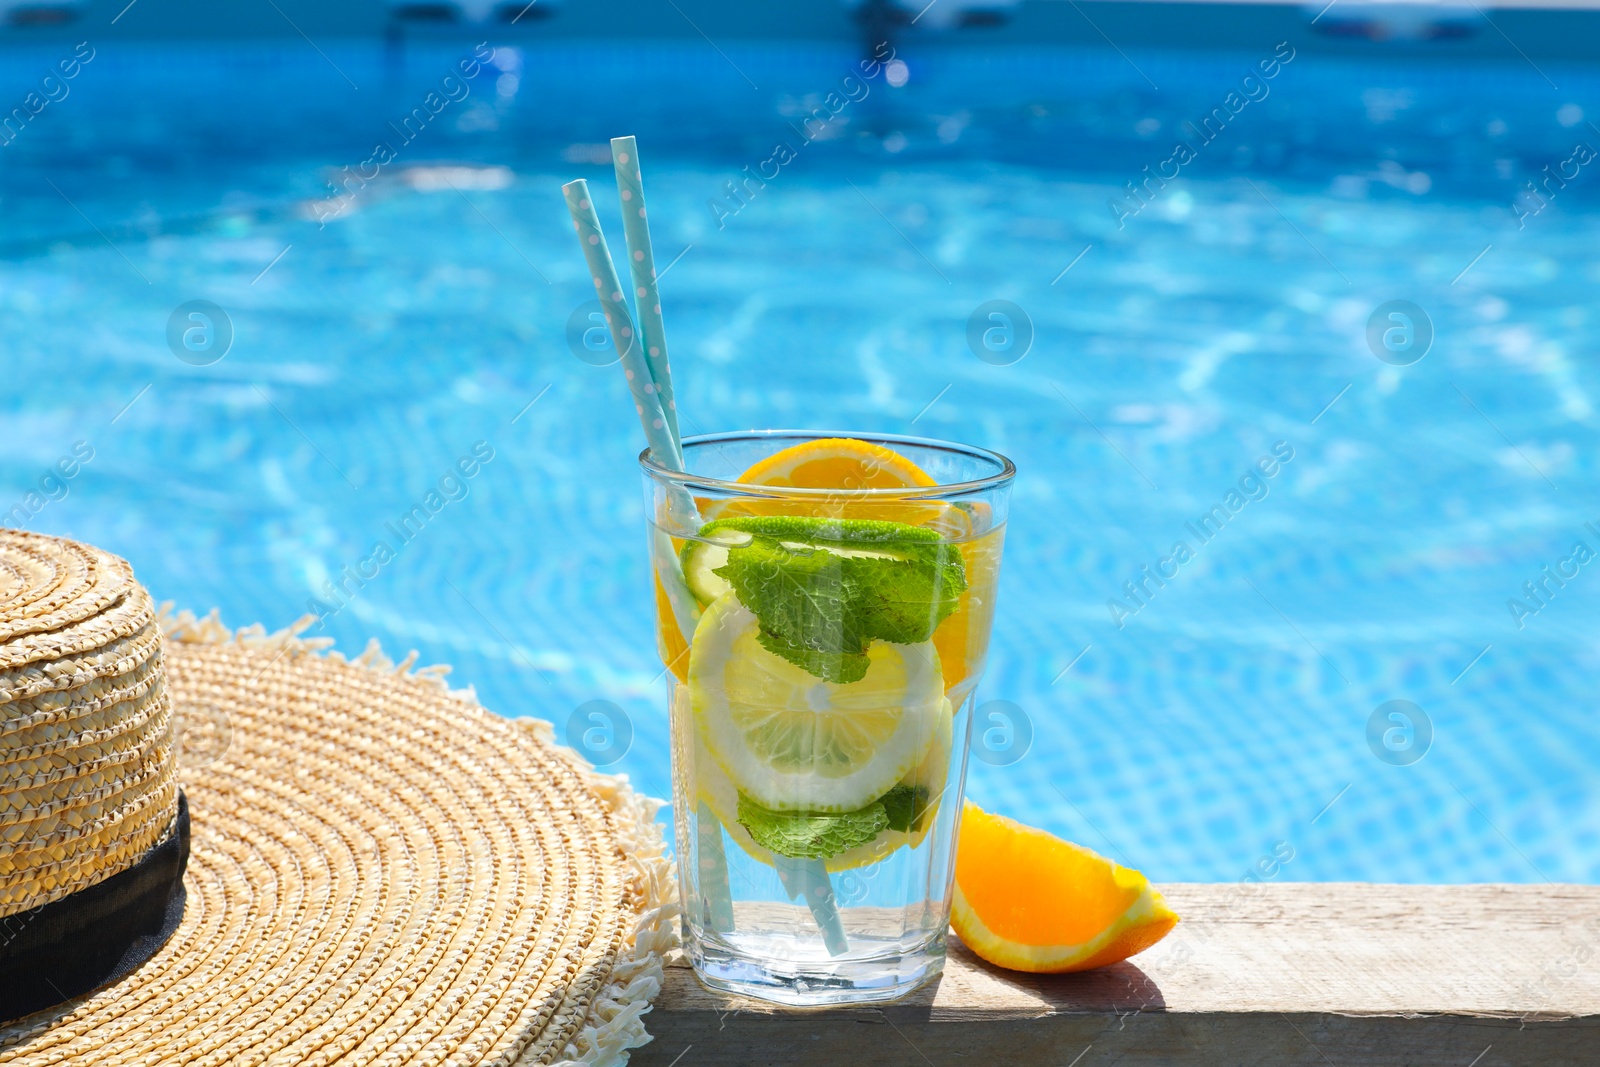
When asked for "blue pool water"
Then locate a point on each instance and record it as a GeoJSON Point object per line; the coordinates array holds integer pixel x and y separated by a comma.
{"type": "Point", "coordinates": [1225, 721]}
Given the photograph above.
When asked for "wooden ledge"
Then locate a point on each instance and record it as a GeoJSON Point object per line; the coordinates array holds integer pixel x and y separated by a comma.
{"type": "Point", "coordinates": [1353, 975]}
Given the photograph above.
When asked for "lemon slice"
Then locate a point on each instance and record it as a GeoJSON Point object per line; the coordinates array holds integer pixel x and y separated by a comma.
{"type": "Point", "coordinates": [793, 742]}
{"type": "Point", "coordinates": [713, 786]}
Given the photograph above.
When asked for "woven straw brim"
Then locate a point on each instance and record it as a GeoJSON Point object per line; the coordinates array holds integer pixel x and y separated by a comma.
{"type": "Point", "coordinates": [380, 872]}
{"type": "Point", "coordinates": [86, 753]}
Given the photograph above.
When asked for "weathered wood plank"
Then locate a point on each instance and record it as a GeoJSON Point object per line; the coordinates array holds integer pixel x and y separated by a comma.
{"type": "Point", "coordinates": [1296, 973]}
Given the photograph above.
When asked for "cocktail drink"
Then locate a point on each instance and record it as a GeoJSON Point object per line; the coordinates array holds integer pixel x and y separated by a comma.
{"type": "Point", "coordinates": [824, 610]}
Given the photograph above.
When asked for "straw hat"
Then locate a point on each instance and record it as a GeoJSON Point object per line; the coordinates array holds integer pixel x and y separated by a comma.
{"type": "Point", "coordinates": [91, 838]}
{"type": "Point", "coordinates": [380, 871]}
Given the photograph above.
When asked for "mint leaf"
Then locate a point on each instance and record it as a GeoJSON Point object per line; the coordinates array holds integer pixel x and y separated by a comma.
{"type": "Point", "coordinates": [905, 601]}
{"type": "Point", "coordinates": [905, 805]}
{"type": "Point", "coordinates": [809, 834]}
{"type": "Point", "coordinates": [816, 528]}
{"type": "Point", "coordinates": [839, 667]}
{"type": "Point", "coordinates": [805, 597]}
{"type": "Point", "coordinates": [825, 588]}
{"type": "Point", "coordinates": [818, 835]}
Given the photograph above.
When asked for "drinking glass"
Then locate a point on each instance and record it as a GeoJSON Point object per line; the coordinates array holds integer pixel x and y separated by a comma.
{"type": "Point", "coordinates": [823, 646]}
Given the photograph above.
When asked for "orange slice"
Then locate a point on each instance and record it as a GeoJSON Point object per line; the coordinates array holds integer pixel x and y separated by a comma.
{"type": "Point", "coordinates": [836, 463]}
{"type": "Point", "coordinates": [669, 639]}
{"type": "Point", "coordinates": [1029, 901]}
{"type": "Point", "coordinates": [963, 639]}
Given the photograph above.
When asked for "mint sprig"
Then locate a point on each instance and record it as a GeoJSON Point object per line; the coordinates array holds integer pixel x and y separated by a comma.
{"type": "Point", "coordinates": [811, 834]}
{"type": "Point", "coordinates": [823, 589]}
{"type": "Point", "coordinates": [819, 834]}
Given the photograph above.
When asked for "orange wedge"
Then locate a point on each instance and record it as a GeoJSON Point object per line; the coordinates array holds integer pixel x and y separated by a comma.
{"type": "Point", "coordinates": [1029, 901]}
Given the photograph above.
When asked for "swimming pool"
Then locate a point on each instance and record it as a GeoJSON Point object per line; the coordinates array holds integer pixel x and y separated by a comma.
{"type": "Point", "coordinates": [1200, 726]}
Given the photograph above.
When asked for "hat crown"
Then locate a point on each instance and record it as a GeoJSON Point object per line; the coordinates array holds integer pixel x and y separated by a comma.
{"type": "Point", "coordinates": [87, 760]}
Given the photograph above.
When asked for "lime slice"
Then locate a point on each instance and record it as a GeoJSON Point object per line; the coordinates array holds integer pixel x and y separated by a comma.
{"type": "Point", "coordinates": [794, 742]}
{"type": "Point", "coordinates": [702, 557]}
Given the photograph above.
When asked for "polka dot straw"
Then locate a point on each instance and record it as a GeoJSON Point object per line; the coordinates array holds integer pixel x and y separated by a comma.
{"type": "Point", "coordinates": [663, 443]}
{"type": "Point", "coordinates": [630, 179]}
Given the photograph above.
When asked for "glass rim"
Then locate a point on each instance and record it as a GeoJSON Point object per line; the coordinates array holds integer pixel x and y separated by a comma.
{"type": "Point", "coordinates": [1003, 477]}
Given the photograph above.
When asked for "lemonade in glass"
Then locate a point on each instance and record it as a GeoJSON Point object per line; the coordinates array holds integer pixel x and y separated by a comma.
{"type": "Point", "coordinates": [824, 604]}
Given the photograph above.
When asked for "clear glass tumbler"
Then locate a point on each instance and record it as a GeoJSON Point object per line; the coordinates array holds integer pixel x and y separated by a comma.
{"type": "Point", "coordinates": [823, 646]}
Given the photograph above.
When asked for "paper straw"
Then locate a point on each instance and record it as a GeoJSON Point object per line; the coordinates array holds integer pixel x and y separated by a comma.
{"type": "Point", "coordinates": [652, 401]}
{"type": "Point", "coordinates": [716, 895]}
{"type": "Point", "coordinates": [716, 902]}
{"type": "Point", "coordinates": [809, 879]}
{"type": "Point", "coordinates": [662, 438]}
{"type": "Point", "coordinates": [642, 264]}
{"type": "Point", "coordinates": [801, 878]}
{"type": "Point", "coordinates": [663, 442]}
{"type": "Point", "coordinates": [661, 432]}
{"type": "Point", "coordinates": [648, 375]}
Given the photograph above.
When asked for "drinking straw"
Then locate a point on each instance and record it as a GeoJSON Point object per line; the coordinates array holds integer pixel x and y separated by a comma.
{"type": "Point", "coordinates": [652, 339]}
{"type": "Point", "coordinates": [715, 899]}
{"type": "Point", "coordinates": [665, 445]}
{"type": "Point", "coordinates": [809, 879]}
{"type": "Point", "coordinates": [641, 382]}
{"type": "Point", "coordinates": [649, 380]}
{"type": "Point", "coordinates": [642, 264]}
{"type": "Point", "coordinates": [660, 432]}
